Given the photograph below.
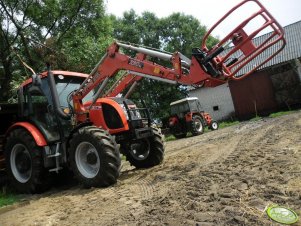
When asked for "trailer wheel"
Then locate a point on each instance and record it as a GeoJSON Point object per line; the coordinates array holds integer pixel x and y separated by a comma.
{"type": "Point", "coordinates": [148, 152]}
{"type": "Point", "coordinates": [197, 125]}
{"type": "Point", "coordinates": [24, 161]}
{"type": "Point", "coordinates": [94, 157]}
{"type": "Point", "coordinates": [213, 125]}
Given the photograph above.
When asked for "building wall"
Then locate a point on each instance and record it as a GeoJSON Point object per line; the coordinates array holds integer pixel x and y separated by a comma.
{"type": "Point", "coordinates": [286, 84]}
{"type": "Point", "coordinates": [298, 65]}
{"type": "Point", "coordinates": [216, 101]}
{"type": "Point", "coordinates": [266, 91]}
{"type": "Point", "coordinates": [253, 95]}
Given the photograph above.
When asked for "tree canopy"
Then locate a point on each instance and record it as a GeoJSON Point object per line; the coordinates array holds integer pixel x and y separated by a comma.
{"type": "Point", "coordinates": [73, 35]}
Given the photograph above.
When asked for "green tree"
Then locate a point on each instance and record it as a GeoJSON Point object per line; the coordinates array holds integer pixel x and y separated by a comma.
{"type": "Point", "coordinates": [73, 33]}
{"type": "Point", "coordinates": [180, 32]}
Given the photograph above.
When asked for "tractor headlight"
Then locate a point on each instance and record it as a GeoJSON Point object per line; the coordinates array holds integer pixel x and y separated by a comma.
{"type": "Point", "coordinates": [125, 111]}
{"type": "Point", "coordinates": [135, 114]}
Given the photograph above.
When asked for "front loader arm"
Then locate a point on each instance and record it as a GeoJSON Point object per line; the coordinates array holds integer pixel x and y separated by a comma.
{"type": "Point", "coordinates": [111, 63]}
{"type": "Point", "coordinates": [236, 56]}
{"type": "Point", "coordinates": [125, 81]}
{"type": "Point", "coordinates": [207, 67]}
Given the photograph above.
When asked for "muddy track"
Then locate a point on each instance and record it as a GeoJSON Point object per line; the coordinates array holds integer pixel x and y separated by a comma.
{"type": "Point", "coordinates": [225, 177]}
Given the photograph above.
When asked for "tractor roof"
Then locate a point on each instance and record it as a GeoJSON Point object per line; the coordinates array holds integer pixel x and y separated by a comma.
{"type": "Point", "coordinates": [183, 100]}
{"type": "Point", "coordinates": [56, 73]}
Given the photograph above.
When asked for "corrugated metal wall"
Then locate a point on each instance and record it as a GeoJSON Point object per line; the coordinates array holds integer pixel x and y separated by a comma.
{"type": "Point", "coordinates": [253, 95]}
{"type": "Point", "coordinates": [216, 101]}
{"type": "Point", "coordinates": [267, 91]}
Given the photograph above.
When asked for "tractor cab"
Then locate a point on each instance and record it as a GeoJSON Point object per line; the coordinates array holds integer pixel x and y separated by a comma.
{"type": "Point", "coordinates": [36, 103]}
{"type": "Point", "coordinates": [183, 106]}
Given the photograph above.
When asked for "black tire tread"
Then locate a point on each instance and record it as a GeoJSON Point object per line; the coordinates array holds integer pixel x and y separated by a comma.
{"type": "Point", "coordinates": [109, 157]}
{"type": "Point", "coordinates": [156, 154]}
{"type": "Point", "coordinates": [210, 126]}
{"type": "Point", "coordinates": [40, 180]}
{"type": "Point", "coordinates": [193, 128]}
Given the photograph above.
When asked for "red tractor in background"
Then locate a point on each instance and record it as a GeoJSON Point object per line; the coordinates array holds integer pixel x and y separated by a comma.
{"type": "Point", "coordinates": [73, 120]}
{"type": "Point", "coordinates": [187, 116]}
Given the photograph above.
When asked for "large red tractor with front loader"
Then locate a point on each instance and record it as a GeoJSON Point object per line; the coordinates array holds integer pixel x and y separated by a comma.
{"type": "Point", "coordinates": [74, 120]}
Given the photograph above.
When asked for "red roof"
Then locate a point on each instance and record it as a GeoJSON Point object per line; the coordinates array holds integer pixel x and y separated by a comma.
{"type": "Point", "coordinates": [65, 73]}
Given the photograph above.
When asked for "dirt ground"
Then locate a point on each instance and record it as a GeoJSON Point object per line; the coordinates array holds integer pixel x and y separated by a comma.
{"type": "Point", "coordinates": [225, 177]}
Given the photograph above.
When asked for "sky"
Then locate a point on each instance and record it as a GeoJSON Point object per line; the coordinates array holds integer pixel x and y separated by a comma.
{"type": "Point", "coordinates": [208, 11]}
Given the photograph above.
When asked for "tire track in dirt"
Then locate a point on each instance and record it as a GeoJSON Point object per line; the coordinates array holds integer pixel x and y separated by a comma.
{"type": "Point", "coordinates": [224, 177]}
{"type": "Point", "coordinates": [247, 171]}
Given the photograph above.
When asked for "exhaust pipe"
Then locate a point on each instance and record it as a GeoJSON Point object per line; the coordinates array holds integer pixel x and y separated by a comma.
{"type": "Point", "coordinates": [55, 96]}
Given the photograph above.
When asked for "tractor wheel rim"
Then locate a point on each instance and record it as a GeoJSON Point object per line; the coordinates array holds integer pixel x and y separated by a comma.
{"type": "Point", "coordinates": [140, 150]}
{"type": "Point", "coordinates": [198, 125]}
{"type": "Point", "coordinates": [85, 166]}
{"type": "Point", "coordinates": [20, 163]}
{"type": "Point", "coordinates": [214, 125]}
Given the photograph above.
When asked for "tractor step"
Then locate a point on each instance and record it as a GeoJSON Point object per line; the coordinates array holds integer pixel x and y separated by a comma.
{"type": "Point", "coordinates": [54, 155]}
{"type": "Point", "coordinates": [55, 169]}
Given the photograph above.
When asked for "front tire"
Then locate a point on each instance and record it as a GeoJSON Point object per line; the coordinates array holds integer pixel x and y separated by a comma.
{"type": "Point", "coordinates": [148, 152]}
{"type": "Point", "coordinates": [197, 125]}
{"type": "Point", "coordinates": [24, 163]}
{"type": "Point", "coordinates": [94, 157]}
{"type": "Point", "coordinates": [213, 125]}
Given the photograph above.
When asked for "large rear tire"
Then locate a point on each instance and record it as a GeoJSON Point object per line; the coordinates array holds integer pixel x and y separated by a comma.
{"type": "Point", "coordinates": [148, 152]}
{"type": "Point", "coordinates": [24, 163]}
{"type": "Point", "coordinates": [94, 157]}
{"type": "Point", "coordinates": [197, 125]}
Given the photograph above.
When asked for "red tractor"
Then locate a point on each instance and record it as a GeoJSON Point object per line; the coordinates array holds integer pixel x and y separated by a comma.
{"type": "Point", "coordinates": [187, 116]}
{"type": "Point", "coordinates": [73, 120]}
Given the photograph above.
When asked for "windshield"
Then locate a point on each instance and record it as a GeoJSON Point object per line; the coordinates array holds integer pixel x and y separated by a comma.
{"type": "Point", "coordinates": [65, 85]}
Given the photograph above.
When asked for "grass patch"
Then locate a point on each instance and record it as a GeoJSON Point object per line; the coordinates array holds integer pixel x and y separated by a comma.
{"type": "Point", "coordinates": [280, 113]}
{"type": "Point", "coordinates": [169, 138]}
{"type": "Point", "coordinates": [7, 198]}
{"type": "Point", "coordinates": [257, 118]}
{"type": "Point", "coordinates": [227, 124]}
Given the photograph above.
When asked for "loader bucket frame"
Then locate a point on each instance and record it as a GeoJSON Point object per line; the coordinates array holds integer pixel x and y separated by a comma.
{"type": "Point", "coordinates": [243, 44]}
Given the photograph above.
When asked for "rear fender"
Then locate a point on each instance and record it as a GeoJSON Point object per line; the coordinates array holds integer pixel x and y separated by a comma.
{"type": "Point", "coordinates": [35, 133]}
